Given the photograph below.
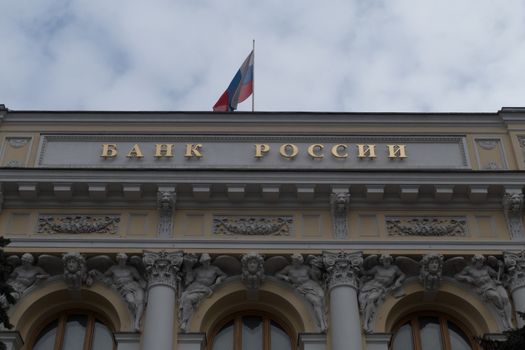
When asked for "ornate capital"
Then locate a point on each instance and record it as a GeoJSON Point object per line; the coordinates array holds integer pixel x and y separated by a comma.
{"type": "Point", "coordinates": [513, 208]}
{"type": "Point", "coordinates": [514, 269]}
{"type": "Point", "coordinates": [162, 268]}
{"type": "Point", "coordinates": [342, 268]}
{"type": "Point", "coordinates": [339, 203]}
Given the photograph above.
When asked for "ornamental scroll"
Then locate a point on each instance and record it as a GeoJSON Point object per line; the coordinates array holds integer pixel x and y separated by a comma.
{"type": "Point", "coordinates": [426, 226]}
{"type": "Point", "coordinates": [253, 225]}
{"type": "Point", "coordinates": [78, 224]}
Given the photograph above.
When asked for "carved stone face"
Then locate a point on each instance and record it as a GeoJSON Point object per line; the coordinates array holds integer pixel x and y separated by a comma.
{"type": "Point", "coordinates": [385, 260]}
{"type": "Point", "coordinates": [122, 258]}
{"type": "Point", "coordinates": [72, 265]}
{"type": "Point", "coordinates": [433, 265]}
{"type": "Point", "coordinates": [297, 259]}
{"type": "Point", "coordinates": [205, 259]}
{"type": "Point", "coordinates": [253, 266]}
{"type": "Point", "coordinates": [27, 259]}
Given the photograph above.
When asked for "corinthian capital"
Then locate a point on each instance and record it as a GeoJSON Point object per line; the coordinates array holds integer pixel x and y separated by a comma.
{"type": "Point", "coordinates": [162, 268]}
{"type": "Point", "coordinates": [342, 268]}
{"type": "Point", "coordinates": [515, 269]}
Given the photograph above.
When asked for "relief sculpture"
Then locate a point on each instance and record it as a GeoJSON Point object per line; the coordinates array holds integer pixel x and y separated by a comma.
{"type": "Point", "coordinates": [253, 225]}
{"type": "Point", "coordinates": [78, 224]}
{"type": "Point", "coordinates": [426, 226]}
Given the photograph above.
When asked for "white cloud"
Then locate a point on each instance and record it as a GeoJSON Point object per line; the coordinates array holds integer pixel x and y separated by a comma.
{"type": "Point", "coordinates": [359, 55]}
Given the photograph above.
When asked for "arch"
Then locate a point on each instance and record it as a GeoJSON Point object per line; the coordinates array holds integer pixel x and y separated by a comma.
{"type": "Point", "coordinates": [451, 299]}
{"type": "Point", "coordinates": [274, 298]}
{"type": "Point", "coordinates": [53, 297]}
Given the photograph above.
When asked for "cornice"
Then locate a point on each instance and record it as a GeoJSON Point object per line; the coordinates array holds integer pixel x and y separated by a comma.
{"type": "Point", "coordinates": [253, 118]}
{"type": "Point", "coordinates": [192, 176]}
{"type": "Point", "coordinates": [96, 244]}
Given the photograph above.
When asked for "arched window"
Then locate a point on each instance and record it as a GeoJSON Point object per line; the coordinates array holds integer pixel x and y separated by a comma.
{"type": "Point", "coordinates": [74, 330]}
{"type": "Point", "coordinates": [431, 331]}
{"type": "Point", "coordinates": [252, 331]}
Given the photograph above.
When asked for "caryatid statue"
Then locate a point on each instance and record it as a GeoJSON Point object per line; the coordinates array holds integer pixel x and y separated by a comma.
{"type": "Point", "coordinates": [487, 282]}
{"type": "Point", "coordinates": [129, 283]}
{"type": "Point", "coordinates": [199, 284]}
{"type": "Point", "coordinates": [380, 277]}
{"type": "Point", "coordinates": [306, 280]}
{"type": "Point", "coordinates": [25, 275]}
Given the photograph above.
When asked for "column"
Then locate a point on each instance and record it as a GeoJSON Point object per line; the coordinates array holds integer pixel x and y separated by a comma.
{"type": "Point", "coordinates": [345, 323]}
{"type": "Point", "coordinates": [515, 269]}
{"type": "Point", "coordinates": [162, 270]}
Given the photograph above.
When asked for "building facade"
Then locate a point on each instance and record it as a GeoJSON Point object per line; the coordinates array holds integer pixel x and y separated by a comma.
{"type": "Point", "coordinates": [292, 230]}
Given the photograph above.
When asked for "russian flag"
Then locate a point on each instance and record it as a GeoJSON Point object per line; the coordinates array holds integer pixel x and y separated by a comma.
{"type": "Point", "coordinates": [240, 88]}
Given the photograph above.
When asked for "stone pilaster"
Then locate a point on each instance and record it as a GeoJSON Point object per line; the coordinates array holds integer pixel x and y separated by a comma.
{"type": "Point", "coordinates": [345, 324]}
{"type": "Point", "coordinates": [162, 270]}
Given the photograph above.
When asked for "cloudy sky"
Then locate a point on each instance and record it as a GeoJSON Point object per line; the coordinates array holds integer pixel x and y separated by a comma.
{"type": "Point", "coordinates": [333, 55]}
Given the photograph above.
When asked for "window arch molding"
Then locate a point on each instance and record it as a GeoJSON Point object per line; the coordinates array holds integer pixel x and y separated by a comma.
{"type": "Point", "coordinates": [53, 297]}
{"type": "Point", "coordinates": [444, 326]}
{"type": "Point", "coordinates": [60, 318]}
{"type": "Point", "coordinates": [451, 298]}
{"type": "Point", "coordinates": [267, 319]}
{"type": "Point", "coordinates": [274, 298]}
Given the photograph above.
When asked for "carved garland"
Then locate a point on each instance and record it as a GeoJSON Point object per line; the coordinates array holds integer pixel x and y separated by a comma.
{"type": "Point", "coordinates": [78, 224]}
{"type": "Point", "coordinates": [426, 226]}
{"type": "Point", "coordinates": [253, 225]}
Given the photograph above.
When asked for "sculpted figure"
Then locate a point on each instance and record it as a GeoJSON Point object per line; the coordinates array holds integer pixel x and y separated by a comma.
{"type": "Point", "coordinates": [199, 284]}
{"type": "Point", "coordinates": [252, 270]}
{"type": "Point", "coordinates": [129, 283]}
{"type": "Point", "coordinates": [25, 275]}
{"type": "Point", "coordinates": [431, 271]}
{"type": "Point", "coordinates": [75, 271]}
{"type": "Point", "coordinates": [487, 283]}
{"type": "Point", "coordinates": [378, 281]}
{"type": "Point", "coordinates": [305, 279]}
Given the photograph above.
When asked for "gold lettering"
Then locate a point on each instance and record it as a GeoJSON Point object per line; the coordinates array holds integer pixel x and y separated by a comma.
{"type": "Point", "coordinates": [135, 152]}
{"type": "Point", "coordinates": [336, 149]}
{"type": "Point", "coordinates": [260, 149]}
{"type": "Point", "coordinates": [283, 150]}
{"type": "Point", "coordinates": [366, 151]}
{"type": "Point", "coordinates": [193, 150]}
{"type": "Point", "coordinates": [312, 151]}
{"type": "Point", "coordinates": [164, 150]}
{"type": "Point", "coordinates": [109, 150]}
{"type": "Point", "coordinates": [396, 151]}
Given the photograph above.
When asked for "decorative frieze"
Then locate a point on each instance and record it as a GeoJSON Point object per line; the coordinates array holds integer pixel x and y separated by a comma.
{"type": "Point", "coordinates": [78, 224]}
{"type": "Point", "coordinates": [253, 225]}
{"type": "Point", "coordinates": [427, 226]}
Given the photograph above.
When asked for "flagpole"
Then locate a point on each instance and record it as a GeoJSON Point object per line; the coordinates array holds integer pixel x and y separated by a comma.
{"type": "Point", "coordinates": [253, 78]}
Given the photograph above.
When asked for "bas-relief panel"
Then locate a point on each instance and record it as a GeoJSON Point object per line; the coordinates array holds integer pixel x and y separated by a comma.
{"type": "Point", "coordinates": [412, 225]}
{"type": "Point", "coordinates": [16, 151]}
{"type": "Point", "coordinates": [79, 224]}
{"type": "Point", "coordinates": [490, 154]}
